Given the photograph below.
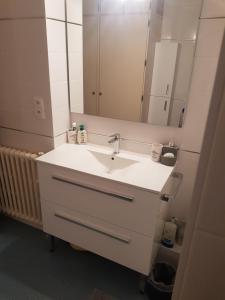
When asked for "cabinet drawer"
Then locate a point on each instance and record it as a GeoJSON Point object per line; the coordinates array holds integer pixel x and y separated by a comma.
{"type": "Point", "coordinates": [115, 203]}
{"type": "Point", "coordinates": [120, 245]}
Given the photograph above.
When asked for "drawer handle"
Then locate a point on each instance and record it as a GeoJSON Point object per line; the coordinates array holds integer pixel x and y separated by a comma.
{"type": "Point", "coordinates": [93, 227]}
{"type": "Point", "coordinates": [91, 188]}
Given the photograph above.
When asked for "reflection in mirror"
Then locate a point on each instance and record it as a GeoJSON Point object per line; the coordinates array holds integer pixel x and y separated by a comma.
{"type": "Point", "coordinates": [137, 59]}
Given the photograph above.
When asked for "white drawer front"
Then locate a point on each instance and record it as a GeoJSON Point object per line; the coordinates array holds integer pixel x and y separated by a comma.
{"type": "Point", "coordinates": [113, 202]}
{"type": "Point", "coordinates": [120, 245]}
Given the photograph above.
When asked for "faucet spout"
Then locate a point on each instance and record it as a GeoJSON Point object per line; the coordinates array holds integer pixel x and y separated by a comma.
{"type": "Point", "coordinates": [115, 140]}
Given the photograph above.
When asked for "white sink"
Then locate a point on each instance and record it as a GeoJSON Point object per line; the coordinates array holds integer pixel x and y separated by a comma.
{"type": "Point", "coordinates": [126, 167]}
{"type": "Point", "coordinates": [112, 163]}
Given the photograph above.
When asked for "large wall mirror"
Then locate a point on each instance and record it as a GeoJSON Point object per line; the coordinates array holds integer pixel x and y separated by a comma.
{"type": "Point", "coordinates": [137, 59]}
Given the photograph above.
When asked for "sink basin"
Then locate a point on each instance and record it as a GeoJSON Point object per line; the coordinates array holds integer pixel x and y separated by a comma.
{"type": "Point", "coordinates": [112, 163]}
{"type": "Point", "coordinates": [127, 167]}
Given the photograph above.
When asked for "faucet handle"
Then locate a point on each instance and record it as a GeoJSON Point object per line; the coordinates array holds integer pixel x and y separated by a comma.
{"type": "Point", "coordinates": [115, 135]}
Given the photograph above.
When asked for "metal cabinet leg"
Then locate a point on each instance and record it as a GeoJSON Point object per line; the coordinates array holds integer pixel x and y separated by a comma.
{"type": "Point", "coordinates": [52, 243]}
{"type": "Point", "coordinates": [142, 283]}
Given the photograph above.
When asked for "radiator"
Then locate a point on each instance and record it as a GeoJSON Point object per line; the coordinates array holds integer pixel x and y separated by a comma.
{"type": "Point", "coordinates": [19, 191]}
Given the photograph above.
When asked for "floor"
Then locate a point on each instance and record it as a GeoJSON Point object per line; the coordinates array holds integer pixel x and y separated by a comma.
{"type": "Point", "coordinates": [29, 271]}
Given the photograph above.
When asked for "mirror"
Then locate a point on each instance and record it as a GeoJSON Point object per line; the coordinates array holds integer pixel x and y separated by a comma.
{"type": "Point", "coordinates": [137, 59]}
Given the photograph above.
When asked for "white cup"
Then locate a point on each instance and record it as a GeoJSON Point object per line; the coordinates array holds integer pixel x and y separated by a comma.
{"type": "Point", "coordinates": [156, 152]}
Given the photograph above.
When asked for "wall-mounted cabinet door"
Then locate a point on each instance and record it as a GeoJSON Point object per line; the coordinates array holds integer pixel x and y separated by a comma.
{"type": "Point", "coordinates": [159, 111]}
{"type": "Point", "coordinates": [123, 40]}
{"type": "Point", "coordinates": [91, 64]}
{"type": "Point", "coordinates": [164, 68]}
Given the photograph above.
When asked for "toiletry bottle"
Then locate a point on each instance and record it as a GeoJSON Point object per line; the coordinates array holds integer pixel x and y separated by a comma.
{"type": "Point", "coordinates": [169, 233]}
{"type": "Point", "coordinates": [82, 135]}
{"type": "Point", "coordinates": [72, 134]}
{"type": "Point", "coordinates": [74, 126]}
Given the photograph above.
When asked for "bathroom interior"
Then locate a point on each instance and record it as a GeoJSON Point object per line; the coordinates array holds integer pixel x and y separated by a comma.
{"type": "Point", "coordinates": [112, 149]}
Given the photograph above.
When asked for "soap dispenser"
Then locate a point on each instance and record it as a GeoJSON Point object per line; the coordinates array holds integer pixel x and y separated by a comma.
{"type": "Point", "coordinates": [82, 135]}
{"type": "Point", "coordinates": [72, 134]}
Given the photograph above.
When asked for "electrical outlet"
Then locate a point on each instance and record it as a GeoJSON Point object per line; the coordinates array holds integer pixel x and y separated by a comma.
{"type": "Point", "coordinates": [39, 108]}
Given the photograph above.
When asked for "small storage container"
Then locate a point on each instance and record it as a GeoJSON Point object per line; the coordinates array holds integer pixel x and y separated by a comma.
{"type": "Point", "coordinates": [160, 282]}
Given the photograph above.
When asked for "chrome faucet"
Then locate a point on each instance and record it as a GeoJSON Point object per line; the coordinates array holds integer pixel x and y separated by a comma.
{"type": "Point", "coordinates": [115, 139]}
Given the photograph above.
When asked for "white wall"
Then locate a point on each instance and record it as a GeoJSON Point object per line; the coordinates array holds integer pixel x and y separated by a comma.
{"type": "Point", "coordinates": [201, 270]}
{"type": "Point", "coordinates": [55, 9]}
{"type": "Point", "coordinates": [24, 75]}
{"type": "Point", "coordinates": [206, 63]}
{"type": "Point", "coordinates": [57, 59]}
{"type": "Point", "coordinates": [33, 66]}
{"type": "Point", "coordinates": [21, 9]}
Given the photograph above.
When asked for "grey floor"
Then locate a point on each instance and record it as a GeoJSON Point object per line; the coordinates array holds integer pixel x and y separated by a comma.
{"type": "Point", "coordinates": [29, 271]}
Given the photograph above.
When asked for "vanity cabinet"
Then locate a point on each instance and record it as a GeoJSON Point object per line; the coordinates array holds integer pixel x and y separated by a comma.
{"type": "Point", "coordinates": [115, 220]}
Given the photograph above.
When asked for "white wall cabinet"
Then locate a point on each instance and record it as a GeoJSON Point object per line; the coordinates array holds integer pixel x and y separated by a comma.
{"type": "Point", "coordinates": [159, 110]}
{"type": "Point", "coordinates": [164, 68]}
{"type": "Point", "coordinates": [165, 60]}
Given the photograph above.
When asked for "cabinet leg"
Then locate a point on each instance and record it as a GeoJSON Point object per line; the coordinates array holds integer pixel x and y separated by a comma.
{"type": "Point", "coordinates": [52, 243]}
{"type": "Point", "coordinates": [142, 283]}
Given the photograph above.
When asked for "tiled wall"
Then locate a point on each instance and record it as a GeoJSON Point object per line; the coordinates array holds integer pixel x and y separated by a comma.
{"type": "Point", "coordinates": [21, 9]}
{"type": "Point", "coordinates": [33, 66]}
{"type": "Point", "coordinates": [57, 59]}
{"type": "Point", "coordinates": [24, 75]}
{"type": "Point", "coordinates": [55, 9]}
{"type": "Point", "coordinates": [213, 9]}
{"type": "Point", "coordinates": [201, 271]}
{"type": "Point", "coordinates": [206, 61]}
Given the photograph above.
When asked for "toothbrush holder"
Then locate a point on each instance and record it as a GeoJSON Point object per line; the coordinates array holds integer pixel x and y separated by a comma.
{"type": "Point", "coordinates": [169, 161]}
